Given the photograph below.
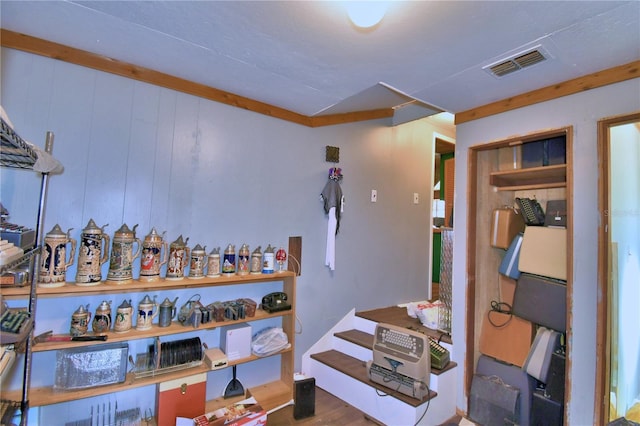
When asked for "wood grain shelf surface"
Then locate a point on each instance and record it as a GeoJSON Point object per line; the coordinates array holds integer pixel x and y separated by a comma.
{"type": "Point", "coordinates": [357, 369]}
{"type": "Point", "coordinates": [135, 286]}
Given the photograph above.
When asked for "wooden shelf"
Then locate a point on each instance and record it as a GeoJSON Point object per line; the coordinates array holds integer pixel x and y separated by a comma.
{"type": "Point", "coordinates": [154, 331]}
{"type": "Point", "coordinates": [532, 178]}
{"type": "Point", "coordinates": [134, 286]}
{"type": "Point", "coordinates": [47, 395]}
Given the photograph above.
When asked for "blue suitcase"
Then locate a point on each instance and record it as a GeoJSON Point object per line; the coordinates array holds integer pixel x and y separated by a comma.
{"type": "Point", "coordinates": [509, 264]}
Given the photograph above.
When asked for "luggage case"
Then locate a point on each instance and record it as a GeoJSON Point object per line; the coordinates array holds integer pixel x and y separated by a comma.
{"type": "Point", "coordinates": [555, 380]}
{"type": "Point", "coordinates": [542, 301]}
{"type": "Point", "coordinates": [545, 411]}
{"type": "Point", "coordinates": [509, 264]}
{"type": "Point", "coordinates": [544, 252]}
{"type": "Point", "coordinates": [538, 362]}
{"type": "Point", "coordinates": [514, 376]}
{"type": "Point", "coordinates": [506, 337]}
{"type": "Point", "coordinates": [493, 402]}
{"type": "Point", "coordinates": [506, 223]}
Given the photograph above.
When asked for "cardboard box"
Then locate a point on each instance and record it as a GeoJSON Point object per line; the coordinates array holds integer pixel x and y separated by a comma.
{"type": "Point", "coordinates": [184, 397]}
{"type": "Point", "coordinates": [510, 158]}
{"type": "Point", "coordinates": [242, 413]}
{"type": "Point", "coordinates": [215, 359]}
{"type": "Point", "coordinates": [235, 341]}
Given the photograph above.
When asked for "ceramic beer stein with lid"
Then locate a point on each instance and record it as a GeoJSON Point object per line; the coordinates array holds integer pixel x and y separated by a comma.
{"type": "Point", "coordinates": [80, 321]}
{"type": "Point", "coordinates": [147, 311]}
{"type": "Point", "coordinates": [198, 262]}
{"type": "Point", "coordinates": [213, 263]}
{"type": "Point", "coordinates": [256, 261]}
{"type": "Point", "coordinates": [154, 255]}
{"type": "Point", "coordinates": [178, 257]}
{"type": "Point", "coordinates": [243, 260]}
{"type": "Point", "coordinates": [167, 310]}
{"type": "Point", "coordinates": [93, 253]}
{"type": "Point", "coordinates": [102, 318]}
{"type": "Point", "coordinates": [123, 320]}
{"type": "Point", "coordinates": [123, 255]}
{"type": "Point", "coordinates": [229, 260]}
{"type": "Point", "coordinates": [53, 261]}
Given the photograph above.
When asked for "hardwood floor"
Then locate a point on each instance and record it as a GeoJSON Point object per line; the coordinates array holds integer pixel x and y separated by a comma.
{"type": "Point", "coordinates": [329, 410]}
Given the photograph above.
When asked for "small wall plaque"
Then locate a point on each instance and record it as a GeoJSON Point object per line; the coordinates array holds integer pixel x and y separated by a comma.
{"type": "Point", "coordinates": [333, 154]}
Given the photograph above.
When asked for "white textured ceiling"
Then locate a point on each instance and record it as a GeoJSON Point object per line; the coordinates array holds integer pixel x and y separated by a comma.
{"type": "Point", "coordinates": [305, 56]}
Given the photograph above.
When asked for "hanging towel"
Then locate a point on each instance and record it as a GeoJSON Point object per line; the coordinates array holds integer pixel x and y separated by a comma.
{"type": "Point", "coordinates": [332, 197]}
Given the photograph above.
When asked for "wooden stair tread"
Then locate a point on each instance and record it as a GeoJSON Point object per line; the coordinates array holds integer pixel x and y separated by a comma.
{"type": "Point", "coordinates": [398, 316]}
{"type": "Point", "coordinates": [357, 369]}
{"type": "Point", "coordinates": [365, 340]}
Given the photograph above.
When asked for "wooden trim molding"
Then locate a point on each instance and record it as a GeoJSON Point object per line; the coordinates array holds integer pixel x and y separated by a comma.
{"type": "Point", "coordinates": [64, 53]}
{"type": "Point", "coordinates": [570, 87]}
{"type": "Point", "coordinates": [72, 55]}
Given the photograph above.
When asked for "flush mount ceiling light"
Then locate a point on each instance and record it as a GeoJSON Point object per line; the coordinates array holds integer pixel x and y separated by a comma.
{"type": "Point", "coordinates": [366, 14]}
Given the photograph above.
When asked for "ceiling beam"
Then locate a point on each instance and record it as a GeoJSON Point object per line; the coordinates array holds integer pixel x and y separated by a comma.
{"type": "Point", "coordinates": [569, 87]}
{"type": "Point", "coordinates": [72, 55]}
{"type": "Point", "coordinates": [61, 52]}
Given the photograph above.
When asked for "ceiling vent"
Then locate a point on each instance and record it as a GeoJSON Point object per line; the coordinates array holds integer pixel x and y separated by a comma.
{"type": "Point", "coordinates": [517, 62]}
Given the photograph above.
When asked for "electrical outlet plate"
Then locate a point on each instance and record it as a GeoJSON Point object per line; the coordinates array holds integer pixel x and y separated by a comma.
{"type": "Point", "coordinates": [374, 195]}
{"type": "Point", "coordinates": [416, 198]}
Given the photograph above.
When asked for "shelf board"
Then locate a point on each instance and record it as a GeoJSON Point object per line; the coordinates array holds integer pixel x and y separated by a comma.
{"type": "Point", "coordinates": [269, 395]}
{"type": "Point", "coordinates": [532, 178]}
{"type": "Point", "coordinates": [154, 331]}
{"type": "Point", "coordinates": [48, 395]}
{"type": "Point", "coordinates": [135, 286]}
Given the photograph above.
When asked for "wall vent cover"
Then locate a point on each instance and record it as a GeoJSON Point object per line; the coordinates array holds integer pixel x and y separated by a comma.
{"type": "Point", "coordinates": [517, 62]}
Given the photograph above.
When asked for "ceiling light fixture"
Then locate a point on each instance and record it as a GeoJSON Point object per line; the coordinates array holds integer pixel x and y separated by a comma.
{"type": "Point", "coordinates": [366, 14]}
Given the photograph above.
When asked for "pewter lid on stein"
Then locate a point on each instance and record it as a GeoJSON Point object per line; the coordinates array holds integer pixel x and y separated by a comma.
{"type": "Point", "coordinates": [92, 228]}
{"type": "Point", "coordinates": [104, 306]}
{"type": "Point", "coordinates": [81, 310]}
{"type": "Point", "coordinates": [230, 249]}
{"type": "Point", "coordinates": [125, 304]}
{"type": "Point", "coordinates": [124, 231]}
{"type": "Point", "coordinates": [269, 249]}
{"type": "Point", "coordinates": [216, 250]}
{"type": "Point", "coordinates": [168, 303]}
{"type": "Point", "coordinates": [258, 251]}
{"type": "Point", "coordinates": [244, 249]}
{"type": "Point", "coordinates": [147, 300]}
{"type": "Point", "coordinates": [179, 242]}
{"type": "Point", "coordinates": [153, 235]}
{"type": "Point", "coordinates": [199, 249]}
{"type": "Point", "coordinates": [57, 232]}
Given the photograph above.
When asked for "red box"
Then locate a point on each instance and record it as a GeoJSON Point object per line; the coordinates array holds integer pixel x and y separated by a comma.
{"type": "Point", "coordinates": [184, 397]}
{"type": "Point", "coordinates": [242, 413]}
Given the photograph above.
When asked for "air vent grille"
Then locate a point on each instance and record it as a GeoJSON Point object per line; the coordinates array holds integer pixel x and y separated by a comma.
{"type": "Point", "coordinates": [516, 63]}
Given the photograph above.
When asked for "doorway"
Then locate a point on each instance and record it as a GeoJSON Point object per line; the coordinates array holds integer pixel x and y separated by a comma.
{"type": "Point", "coordinates": [618, 336]}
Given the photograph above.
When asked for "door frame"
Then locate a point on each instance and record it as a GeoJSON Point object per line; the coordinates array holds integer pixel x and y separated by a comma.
{"type": "Point", "coordinates": [603, 359]}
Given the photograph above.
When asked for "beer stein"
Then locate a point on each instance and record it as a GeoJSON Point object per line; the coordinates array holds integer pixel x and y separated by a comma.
{"type": "Point", "coordinates": [243, 260]}
{"type": "Point", "coordinates": [268, 259]}
{"type": "Point", "coordinates": [167, 311]}
{"type": "Point", "coordinates": [198, 262]}
{"type": "Point", "coordinates": [80, 321]}
{"type": "Point", "coordinates": [153, 256]}
{"type": "Point", "coordinates": [93, 253]}
{"type": "Point", "coordinates": [102, 318]}
{"type": "Point", "coordinates": [213, 263]}
{"type": "Point", "coordinates": [122, 255]}
{"type": "Point", "coordinates": [229, 260]}
{"type": "Point", "coordinates": [123, 320]}
{"type": "Point", "coordinates": [53, 262]}
{"type": "Point", "coordinates": [256, 261]}
{"type": "Point", "coordinates": [178, 256]}
{"type": "Point", "coordinates": [147, 311]}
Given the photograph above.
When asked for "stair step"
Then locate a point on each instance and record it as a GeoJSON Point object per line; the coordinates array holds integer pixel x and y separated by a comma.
{"type": "Point", "coordinates": [398, 316]}
{"type": "Point", "coordinates": [357, 369]}
{"type": "Point", "coordinates": [365, 340]}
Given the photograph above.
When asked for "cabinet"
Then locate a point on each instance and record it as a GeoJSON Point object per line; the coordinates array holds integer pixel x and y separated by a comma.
{"type": "Point", "coordinates": [270, 395]}
{"type": "Point", "coordinates": [16, 153]}
{"type": "Point", "coordinates": [492, 185]}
